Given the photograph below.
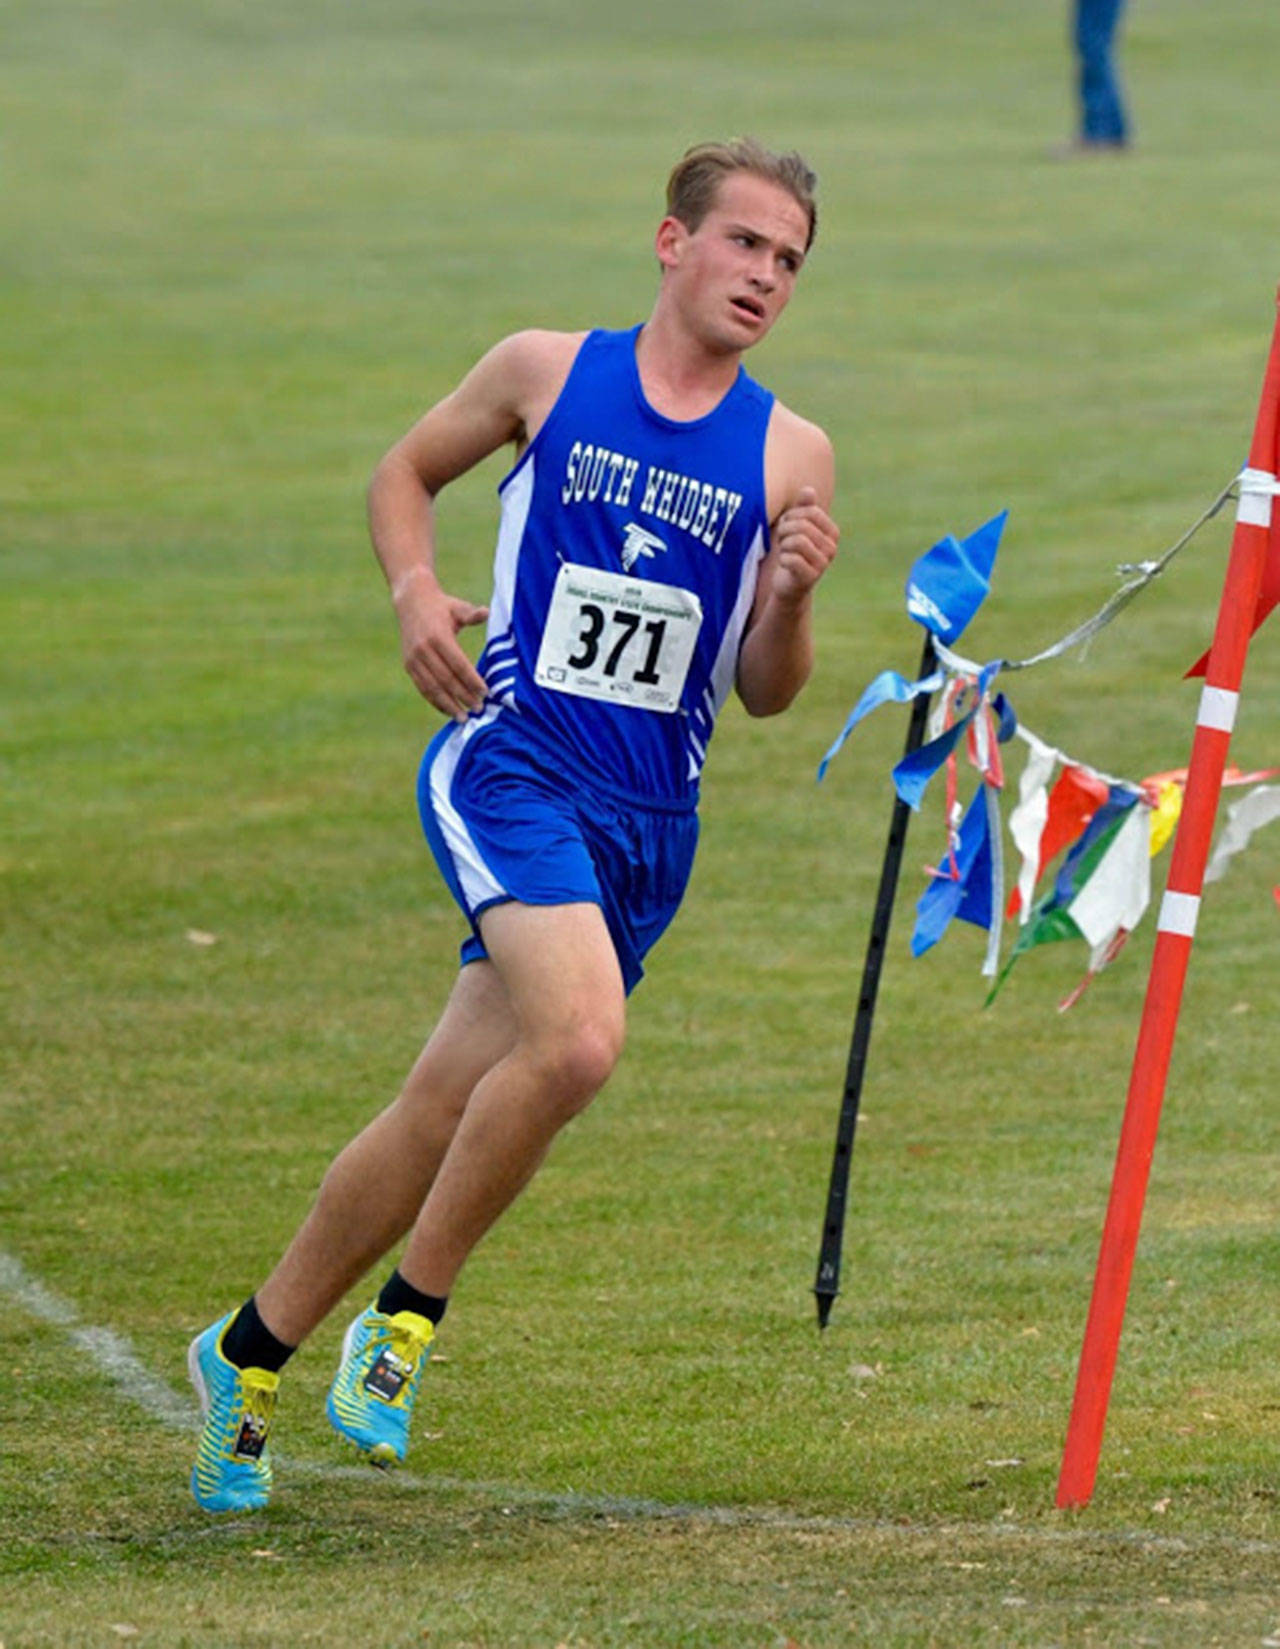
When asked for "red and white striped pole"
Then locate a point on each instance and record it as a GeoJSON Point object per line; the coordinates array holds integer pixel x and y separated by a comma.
{"type": "Point", "coordinates": [1176, 929]}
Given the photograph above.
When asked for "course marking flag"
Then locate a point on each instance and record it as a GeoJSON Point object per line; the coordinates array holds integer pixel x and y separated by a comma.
{"type": "Point", "coordinates": [1252, 556]}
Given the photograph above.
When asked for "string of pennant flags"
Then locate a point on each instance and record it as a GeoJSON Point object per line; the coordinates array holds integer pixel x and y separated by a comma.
{"type": "Point", "coordinates": [1101, 832]}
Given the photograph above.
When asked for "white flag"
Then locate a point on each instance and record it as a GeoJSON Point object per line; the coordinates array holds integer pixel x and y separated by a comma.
{"type": "Point", "coordinates": [1250, 813]}
{"type": "Point", "coordinates": [1119, 890]}
{"type": "Point", "coordinates": [1027, 821]}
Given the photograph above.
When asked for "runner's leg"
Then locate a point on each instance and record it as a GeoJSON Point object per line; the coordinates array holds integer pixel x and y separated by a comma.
{"type": "Point", "coordinates": [375, 1188]}
{"type": "Point", "coordinates": [565, 990]}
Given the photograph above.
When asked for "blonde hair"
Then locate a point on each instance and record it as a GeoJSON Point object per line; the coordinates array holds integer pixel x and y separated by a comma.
{"type": "Point", "coordinates": [695, 180]}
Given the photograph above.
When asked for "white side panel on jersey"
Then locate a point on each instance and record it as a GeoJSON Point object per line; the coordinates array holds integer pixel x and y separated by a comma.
{"type": "Point", "coordinates": [702, 721]}
{"type": "Point", "coordinates": [516, 497]}
{"type": "Point", "coordinates": [726, 666]}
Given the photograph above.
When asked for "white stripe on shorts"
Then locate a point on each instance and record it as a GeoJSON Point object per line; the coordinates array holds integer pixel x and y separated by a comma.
{"type": "Point", "coordinates": [479, 885]}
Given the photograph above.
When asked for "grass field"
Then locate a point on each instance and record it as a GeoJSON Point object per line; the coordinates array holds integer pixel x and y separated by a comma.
{"type": "Point", "coordinates": [240, 250]}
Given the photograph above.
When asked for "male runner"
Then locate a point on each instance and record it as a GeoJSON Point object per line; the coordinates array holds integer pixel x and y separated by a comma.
{"type": "Point", "coordinates": [661, 535]}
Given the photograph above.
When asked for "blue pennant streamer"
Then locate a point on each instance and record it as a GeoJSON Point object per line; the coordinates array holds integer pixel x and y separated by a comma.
{"type": "Point", "coordinates": [968, 895]}
{"type": "Point", "coordinates": [888, 687]}
{"type": "Point", "coordinates": [912, 774]}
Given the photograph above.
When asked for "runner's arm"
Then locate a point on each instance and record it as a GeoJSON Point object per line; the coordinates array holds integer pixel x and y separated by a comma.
{"type": "Point", "coordinates": [777, 654]}
{"type": "Point", "coordinates": [489, 408]}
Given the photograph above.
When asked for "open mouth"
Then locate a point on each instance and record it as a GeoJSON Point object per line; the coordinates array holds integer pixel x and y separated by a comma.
{"type": "Point", "coordinates": [749, 307]}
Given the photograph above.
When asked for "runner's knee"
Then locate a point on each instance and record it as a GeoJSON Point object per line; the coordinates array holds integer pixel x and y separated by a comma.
{"type": "Point", "coordinates": [576, 1064]}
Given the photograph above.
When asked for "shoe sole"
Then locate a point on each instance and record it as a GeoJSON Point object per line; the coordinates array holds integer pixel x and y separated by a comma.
{"type": "Point", "coordinates": [196, 1377]}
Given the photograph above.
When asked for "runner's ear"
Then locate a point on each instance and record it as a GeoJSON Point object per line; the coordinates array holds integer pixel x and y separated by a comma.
{"type": "Point", "coordinates": [669, 242]}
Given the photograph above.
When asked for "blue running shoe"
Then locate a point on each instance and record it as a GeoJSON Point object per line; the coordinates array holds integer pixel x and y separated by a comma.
{"type": "Point", "coordinates": [232, 1472]}
{"type": "Point", "coordinates": [371, 1399]}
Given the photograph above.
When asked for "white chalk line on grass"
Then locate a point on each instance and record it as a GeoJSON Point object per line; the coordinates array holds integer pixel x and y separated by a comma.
{"type": "Point", "coordinates": [109, 1352]}
{"type": "Point", "coordinates": [114, 1357]}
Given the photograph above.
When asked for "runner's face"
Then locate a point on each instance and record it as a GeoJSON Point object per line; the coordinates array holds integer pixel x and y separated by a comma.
{"type": "Point", "coordinates": [735, 273]}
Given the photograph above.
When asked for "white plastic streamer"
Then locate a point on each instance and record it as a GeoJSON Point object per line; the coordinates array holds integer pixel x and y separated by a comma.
{"type": "Point", "coordinates": [1249, 481]}
{"type": "Point", "coordinates": [991, 962]}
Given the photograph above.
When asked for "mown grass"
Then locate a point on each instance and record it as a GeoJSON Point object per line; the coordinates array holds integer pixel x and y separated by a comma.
{"type": "Point", "coordinates": [239, 251]}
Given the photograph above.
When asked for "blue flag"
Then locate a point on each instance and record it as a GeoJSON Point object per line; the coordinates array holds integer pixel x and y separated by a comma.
{"type": "Point", "coordinates": [968, 896]}
{"type": "Point", "coordinates": [948, 583]}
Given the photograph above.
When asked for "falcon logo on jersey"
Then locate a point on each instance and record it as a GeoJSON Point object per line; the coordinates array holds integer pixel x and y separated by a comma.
{"type": "Point", "coordinates": [638, 542]}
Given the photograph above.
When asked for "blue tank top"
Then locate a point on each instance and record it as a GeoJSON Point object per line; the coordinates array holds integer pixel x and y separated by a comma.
{"type": "Point", "coordinates": [628, 551]}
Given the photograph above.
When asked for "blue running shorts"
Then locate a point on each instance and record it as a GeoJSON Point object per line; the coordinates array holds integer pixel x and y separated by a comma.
{"type": "Point", "coordinates": [506, 820]}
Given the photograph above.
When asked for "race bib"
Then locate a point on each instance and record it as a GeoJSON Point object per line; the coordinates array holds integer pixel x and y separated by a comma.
{"type": "Point", "coordinates": [625, 640]}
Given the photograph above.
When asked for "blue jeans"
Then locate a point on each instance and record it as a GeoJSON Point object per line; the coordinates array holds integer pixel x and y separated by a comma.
{"type": "Point", "coordinates": [1102, 109]}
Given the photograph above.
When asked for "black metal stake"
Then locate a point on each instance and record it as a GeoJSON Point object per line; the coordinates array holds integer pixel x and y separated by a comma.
{"type": "Point", "coordinates": [827, 1285]}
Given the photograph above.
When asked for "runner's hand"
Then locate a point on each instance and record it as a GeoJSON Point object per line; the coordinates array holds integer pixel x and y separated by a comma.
{"type": "Point", "coordinates": [430, 621]}
{"type": "Point", "coordinates": [805, 539]}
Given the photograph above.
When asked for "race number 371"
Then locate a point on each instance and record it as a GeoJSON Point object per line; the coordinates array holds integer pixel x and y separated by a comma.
{"type": "Point", "coordinates": [624, 640]}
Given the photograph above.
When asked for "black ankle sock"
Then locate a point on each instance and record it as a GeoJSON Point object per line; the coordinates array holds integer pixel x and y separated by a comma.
{"type": "Point", "coordinates": [249, 1343]}
{"type": "Point", "coordinates": [398, 1295]}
